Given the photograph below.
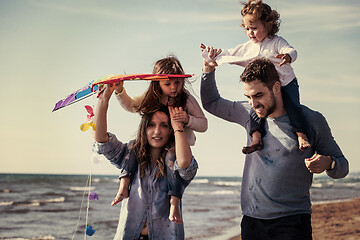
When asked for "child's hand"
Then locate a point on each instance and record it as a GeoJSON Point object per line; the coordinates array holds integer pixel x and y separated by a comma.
{"type": "Point", "coordinates": [119, 86]}
{"type": "Point", "coordinates": [213, 52]}
{"type": "Point", "coordinates": [175, 115]}
{"type": "Point", "coordinates": [181, 116]}
{"type": "Point", "coordinates": [202, 46]}
{"type": "Point", "coordinates": [285, 57]}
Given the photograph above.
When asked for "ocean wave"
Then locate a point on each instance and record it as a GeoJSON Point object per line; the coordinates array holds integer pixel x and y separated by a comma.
{"type": "Point", "coordinates": [331, 184]}
{"type": "Point", "coordinates": [52, 200]}
{"type": "Point", "coordinates": [96, 180]}
{"type": "Point", "coordinates": [225, 183]}
{"type": "Point", "coordinates": [6, 203]}
{"type": "Point", "coordinates": [46, 237]}
{"type": "Point", "coordinates": [26, 204]}
{"type": "Point", "coordinates": [200, 181]}
{"type": "Point", "coordinates": [199, 210]}
{"type": "Point", "coordinates": [317, 185]}
{"type": "Point", "coordinates": [82, 188]}
{"type": "Point", "coordinates": [33, 202]}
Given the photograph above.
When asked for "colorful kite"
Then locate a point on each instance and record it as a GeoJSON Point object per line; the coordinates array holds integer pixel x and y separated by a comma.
{"type": "Point", "coordinates": [92, 87]}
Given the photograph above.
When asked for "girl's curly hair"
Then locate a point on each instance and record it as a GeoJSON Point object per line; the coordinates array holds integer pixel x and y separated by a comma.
{"type": "Point", "coordinates": [263, 12]}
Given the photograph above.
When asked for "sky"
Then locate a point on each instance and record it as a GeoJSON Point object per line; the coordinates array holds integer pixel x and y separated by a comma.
{"type": "Point", "coordinates": [48, 49]}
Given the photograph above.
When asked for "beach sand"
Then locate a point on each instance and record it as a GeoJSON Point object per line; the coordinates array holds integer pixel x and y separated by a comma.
{"type": "Point", "coordinates": [336, 220]}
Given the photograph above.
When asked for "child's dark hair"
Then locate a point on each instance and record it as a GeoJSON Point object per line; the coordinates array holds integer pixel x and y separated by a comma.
{"type": "Point", "coordinates": [152, 100]}
{"type": "Point", "coordinates": [263, 12]}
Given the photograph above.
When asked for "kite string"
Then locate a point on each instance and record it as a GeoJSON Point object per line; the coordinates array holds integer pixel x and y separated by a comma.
{"type": "Point", "coordinates": [89, 181]}
{"type": "Point", "coordinates": [87, 187]}
{"type": "Point", "coordinates": [88, 201]}
{"type": "Point", "coordinates": [82, 202]}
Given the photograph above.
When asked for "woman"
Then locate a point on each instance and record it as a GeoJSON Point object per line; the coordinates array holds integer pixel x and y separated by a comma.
{"type": "Point", "coordinates": [144, 215]}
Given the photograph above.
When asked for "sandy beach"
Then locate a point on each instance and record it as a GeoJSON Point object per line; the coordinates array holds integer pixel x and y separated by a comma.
{"type": "Point", "coordinates": [336, 220]}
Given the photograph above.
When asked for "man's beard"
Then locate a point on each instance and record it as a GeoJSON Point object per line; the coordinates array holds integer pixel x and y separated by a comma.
{"type": "Point", "coordinates": [270, 108]}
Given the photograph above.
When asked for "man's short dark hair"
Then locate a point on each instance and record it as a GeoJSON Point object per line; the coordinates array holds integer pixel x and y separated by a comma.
{"type": "Point", "coordinates": [260, 69]}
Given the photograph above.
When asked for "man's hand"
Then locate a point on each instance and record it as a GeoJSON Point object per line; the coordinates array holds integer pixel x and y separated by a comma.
{"type": "Point", "coordinates": [208, 67]}
{"type": "Point", "coordinates": [318, 163]}
{"type": "Point", "coordinates": [213, 52]}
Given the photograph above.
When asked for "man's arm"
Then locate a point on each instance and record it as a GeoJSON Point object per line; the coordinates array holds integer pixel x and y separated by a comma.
{"type": "Point", "coordinates": [327, 151]}
{"type": "Point", "coordinates": [212, 102]}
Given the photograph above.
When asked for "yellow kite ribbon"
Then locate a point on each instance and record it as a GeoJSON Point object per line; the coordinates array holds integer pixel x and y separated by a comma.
{"type": "Point", "coordinates": [85, 126]}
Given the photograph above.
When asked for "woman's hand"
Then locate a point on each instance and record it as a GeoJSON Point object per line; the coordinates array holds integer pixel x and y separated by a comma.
{"type": "Point", "coordinates": [105, 91]}
{"type": "Point", "coordinates": [100, 135]}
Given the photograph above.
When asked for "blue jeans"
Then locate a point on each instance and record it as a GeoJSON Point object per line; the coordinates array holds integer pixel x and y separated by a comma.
{"type": "Point", "coordinates": [291, 99]}
{"type": "Point", "coordinates": [294, 227]}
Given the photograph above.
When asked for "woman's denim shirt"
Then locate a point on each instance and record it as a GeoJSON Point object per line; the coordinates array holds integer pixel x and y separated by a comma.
{"type": "Point", "coordinates": [148, 197]}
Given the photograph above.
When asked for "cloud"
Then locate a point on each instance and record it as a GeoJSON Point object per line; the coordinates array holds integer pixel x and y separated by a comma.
{"type": "Point", "coordinates": [137, 14]}
{"type": "Point", "coordinates": [328, 98]}
{"type": "Point", "coordinates": [322, 18]}
{"type": "Point", "coordinates": [77, 7]}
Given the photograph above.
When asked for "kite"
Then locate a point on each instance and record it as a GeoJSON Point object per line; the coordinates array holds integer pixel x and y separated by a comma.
{"type": "Point", "coordinates": [90, 231]}
{"type": "Point", "coordinates": [85, 126]}
{"type": "Point", "coordinates": [93, 196]}
{"type": "Point", "coordinates": [92, 87]}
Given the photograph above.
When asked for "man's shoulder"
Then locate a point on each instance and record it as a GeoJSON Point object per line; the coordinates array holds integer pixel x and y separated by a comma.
{"type": "Point", "coordinates": [313, 118]}
{"type": "Point", "coordinates": [308, 112]}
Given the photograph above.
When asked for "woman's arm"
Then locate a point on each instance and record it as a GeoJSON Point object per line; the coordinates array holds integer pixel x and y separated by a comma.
{"type": "Point", "coordinates": [182, 148]}
{"type": "Point", "coordinates": [118, 153]}
{"type": "Point", "coordinates": [100, 134]}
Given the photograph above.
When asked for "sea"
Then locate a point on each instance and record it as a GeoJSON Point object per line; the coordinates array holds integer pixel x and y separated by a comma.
{"type": "Point", "coordinates": [36, 207]}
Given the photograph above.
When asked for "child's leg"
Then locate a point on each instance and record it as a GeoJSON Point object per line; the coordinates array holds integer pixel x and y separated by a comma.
{"type": "Point", "coordinates": [303, 141]}
{"type": "Point", "coordinates": [256, 131]}
{"type": "Point", "coordinates": [123, 191]}
{"type": "Point", "coordinates": [128, 170]}
{"type": "Point", "coordinates": [175, 214]}
{"type": "Point", "coordinates": [176, 187]}
{"type": "Point", "coordinates": [291, 99]}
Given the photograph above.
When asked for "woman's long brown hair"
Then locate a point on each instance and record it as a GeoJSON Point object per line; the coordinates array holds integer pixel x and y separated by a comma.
{"type": "Point", "coordinates": [142, 147]}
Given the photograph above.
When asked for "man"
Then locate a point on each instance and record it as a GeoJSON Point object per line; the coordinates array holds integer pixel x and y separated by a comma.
{"type": "Point", "coordinates": [275, 191]}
